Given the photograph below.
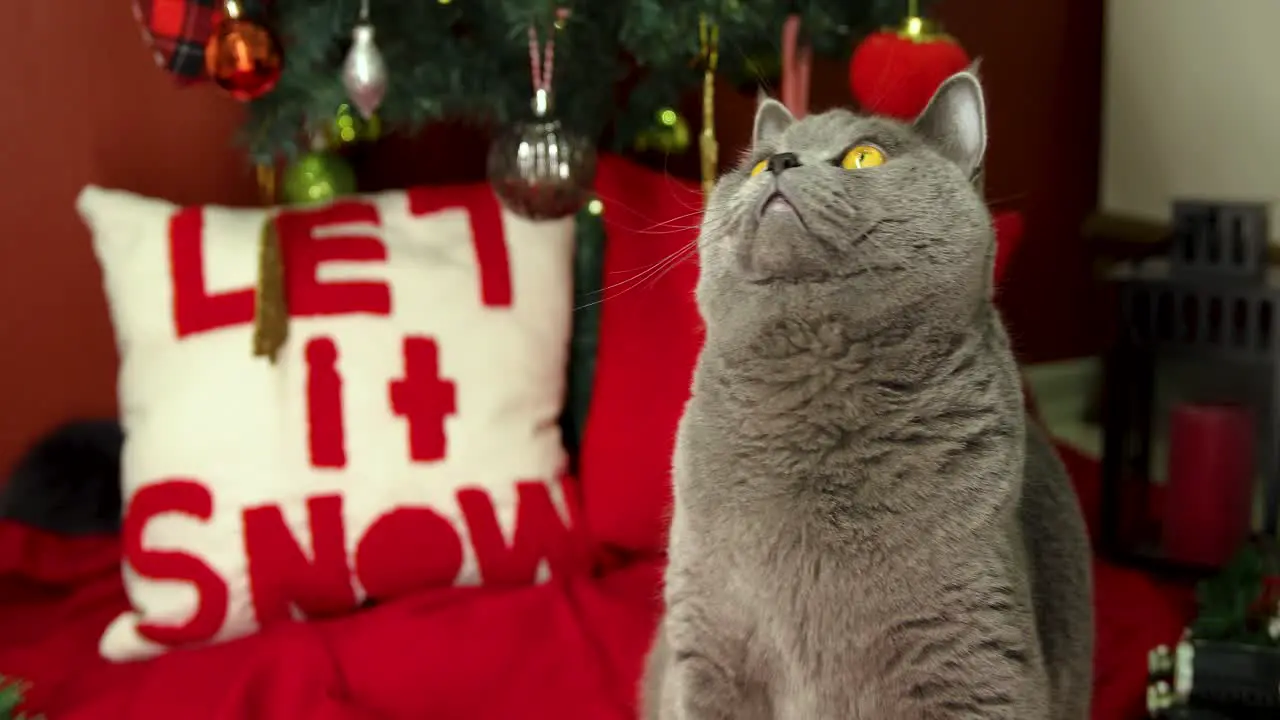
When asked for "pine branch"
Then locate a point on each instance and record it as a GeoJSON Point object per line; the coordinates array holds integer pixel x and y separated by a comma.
{"type": "Point", "coordinates": [469, 59]}
{"type": "Point", "coordinates": [1232, 605]}
{"type": "Point", "coordinates": [11, 692]}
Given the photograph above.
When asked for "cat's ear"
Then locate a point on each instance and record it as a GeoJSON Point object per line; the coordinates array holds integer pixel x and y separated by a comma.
{"type": "Point", "coordinates": [772, 118]}
{"type": "Point", "coordinates": [955, 121]}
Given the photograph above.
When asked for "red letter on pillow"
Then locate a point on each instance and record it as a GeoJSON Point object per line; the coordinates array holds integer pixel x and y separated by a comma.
{"type": "Point", "coordinates": [304, 253]}
{"type": "Point", "coordinates": [540, 534]}
{"type": "Point", "coordinates": [326, 437]}
{"type": "Point", "coordinates": [281, 574]}
{"type": "Point", "coordinates": [423, 399]}
{"type": "Point", "coordinates": [486, 237]}
{"type": "Point", "coordinates": [186, 497]}
{"type": "Point", "coordinates": [408, 549]}
{"type": "Point", "coordinates": [195, 310]}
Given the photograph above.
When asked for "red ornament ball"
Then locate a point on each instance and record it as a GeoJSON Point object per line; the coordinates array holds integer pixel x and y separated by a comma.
{"type": "Point", "coordinates": [896, 73]}
{"type": "Point", "coordinates": [243, 57]}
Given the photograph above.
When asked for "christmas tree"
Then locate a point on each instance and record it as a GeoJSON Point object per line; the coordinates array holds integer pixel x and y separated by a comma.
{"type": "Point", "coordinates": [11, 699]}
{"type": "Point", "coordinates": [617, 63]}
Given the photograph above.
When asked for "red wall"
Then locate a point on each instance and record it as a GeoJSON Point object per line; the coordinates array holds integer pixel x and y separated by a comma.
{"type": "Point", "coordinates": [1042, 63]}
{"type": "Point", "coordinates": [87, 106]}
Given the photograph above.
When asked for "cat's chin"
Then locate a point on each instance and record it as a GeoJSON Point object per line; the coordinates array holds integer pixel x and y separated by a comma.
{"type": "Point", "coordinates": [779, 218]}
{"type": "Point", "coordinates": [773, 203]}
{"type": "Point", "coordinates": [781, 250]}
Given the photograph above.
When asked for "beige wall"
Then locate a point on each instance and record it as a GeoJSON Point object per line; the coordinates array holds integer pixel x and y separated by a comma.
{"type": "Point", "coordinates": [1191, 104]}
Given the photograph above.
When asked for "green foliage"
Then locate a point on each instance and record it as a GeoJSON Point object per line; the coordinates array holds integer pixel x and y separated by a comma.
{"type": "Point", "coordinates": [1232, 605]}
{"type": "Point", "coordinates": [470, 58]}
{"type": "Point", "coordinates": [588, 286]}
{"type": "Point", "coordinates": [10, 698]}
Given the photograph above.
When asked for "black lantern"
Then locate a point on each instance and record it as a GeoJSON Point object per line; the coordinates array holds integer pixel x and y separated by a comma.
{"type": "Point", "coordinates": [1190, 454]}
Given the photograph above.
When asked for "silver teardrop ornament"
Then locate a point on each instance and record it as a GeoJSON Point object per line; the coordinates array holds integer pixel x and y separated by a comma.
{"type": "Point", "coordinates": [364, 73]}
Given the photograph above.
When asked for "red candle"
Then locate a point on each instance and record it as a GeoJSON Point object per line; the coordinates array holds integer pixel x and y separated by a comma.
{"type": "Point", "coordinates": [1207, 502]}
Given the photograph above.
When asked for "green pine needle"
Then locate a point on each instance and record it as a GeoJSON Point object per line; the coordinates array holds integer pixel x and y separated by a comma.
{"type": "Point", "coordinates": [1229, 607]}
{"type": "Point", "coordinates": [469, 59]}
{"type": "Point", "coordinates": [587, 296]}
{"type": "Point", "coordinates": [11, 692]}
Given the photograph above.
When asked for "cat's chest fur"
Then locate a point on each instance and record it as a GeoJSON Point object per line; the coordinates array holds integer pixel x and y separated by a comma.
{"type": "Point", "coordinates": [821, 503]}
{"type": "Point", "coordinates": [835, 445]}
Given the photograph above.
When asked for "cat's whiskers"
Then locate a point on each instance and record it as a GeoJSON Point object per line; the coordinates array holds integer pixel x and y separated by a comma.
{"type": "Point", "coordinates": [694, 205]}
{"type": "Point", "coordinates": [664, 227]}
{"type": "Point", "coordinates": [667, 229]}
{"type": "Point", "coordinates": [619, 208]}
{"type": "Point", "coordinates": [652, 274]}
{"type": "Point", "coordinates": [641, 272]}
{"type": "Point", "coordinates": [691, 202]}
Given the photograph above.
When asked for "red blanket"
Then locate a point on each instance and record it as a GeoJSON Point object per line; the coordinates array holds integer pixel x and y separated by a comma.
{"type": "Point", "coordinates": [571, 650]}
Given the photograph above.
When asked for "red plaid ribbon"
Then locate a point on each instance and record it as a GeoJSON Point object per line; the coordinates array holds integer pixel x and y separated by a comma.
{"type": "Point", "coordinates": [177, 31]}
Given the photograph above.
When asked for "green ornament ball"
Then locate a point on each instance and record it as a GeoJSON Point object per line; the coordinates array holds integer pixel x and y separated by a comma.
{"type": "Point", "coordinates": [317, 177]}
{"type": "Point", "coordinates": [668, 134]}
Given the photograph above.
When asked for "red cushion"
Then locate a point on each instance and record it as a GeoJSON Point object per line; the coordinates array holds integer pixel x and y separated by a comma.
{"type": "Point", "coordinates": [571, 648]}
{"type": "Point", "coordinates": [650, 334]}
{"type": "Point", "coordinates": [566, 650]}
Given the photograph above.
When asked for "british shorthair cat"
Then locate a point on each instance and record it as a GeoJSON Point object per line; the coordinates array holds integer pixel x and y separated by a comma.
{"type": "Point", "coordinates": [866, 524]}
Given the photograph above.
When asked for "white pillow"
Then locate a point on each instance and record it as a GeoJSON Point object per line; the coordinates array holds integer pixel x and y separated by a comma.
{"type": "Point", "coordinates": [259, 492]}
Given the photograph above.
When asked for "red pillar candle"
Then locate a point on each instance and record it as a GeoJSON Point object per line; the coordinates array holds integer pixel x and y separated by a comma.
{"type": "Point", "coordinates": [1207, 502]}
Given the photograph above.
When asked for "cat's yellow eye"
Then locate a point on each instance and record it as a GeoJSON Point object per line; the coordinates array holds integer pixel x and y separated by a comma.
{"type": "Point", "coordinates": [759, 168]}
{"type": "Point", "coordinates": [862, 156]}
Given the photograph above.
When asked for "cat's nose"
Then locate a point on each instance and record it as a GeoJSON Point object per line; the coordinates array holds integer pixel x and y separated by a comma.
{"type": "Point", "coordinates": [783, 161]}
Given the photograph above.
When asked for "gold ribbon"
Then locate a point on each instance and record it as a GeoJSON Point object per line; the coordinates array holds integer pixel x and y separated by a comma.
{"type": "Point", "coordinates": [271, 314]}
{"type": "Point", "coordinates": [709, 147]}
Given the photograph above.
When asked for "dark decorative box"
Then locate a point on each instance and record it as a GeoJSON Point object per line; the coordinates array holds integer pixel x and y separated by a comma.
{"type": "Point", "coordinates": [1197, 357]}
{"type": "Point", "coordinates": [1209, 679]}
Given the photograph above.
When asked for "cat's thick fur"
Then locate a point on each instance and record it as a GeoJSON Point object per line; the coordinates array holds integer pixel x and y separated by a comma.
{"type": "Point", "coordinates": [865, 527]}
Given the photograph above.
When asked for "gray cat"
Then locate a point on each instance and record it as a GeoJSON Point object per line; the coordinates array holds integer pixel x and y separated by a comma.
{"type": "Point", "coordinates": [866, 526]}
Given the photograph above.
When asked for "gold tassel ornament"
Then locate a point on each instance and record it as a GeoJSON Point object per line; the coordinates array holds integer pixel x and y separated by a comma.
{"type": "Point", "coordinates": [271, 313]}
{"type": "Point", "coordinates": [708, 146]}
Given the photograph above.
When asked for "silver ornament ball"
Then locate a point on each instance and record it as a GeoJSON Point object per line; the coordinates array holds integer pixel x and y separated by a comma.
{"type": "Point", "coordinates": [541, 170]}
